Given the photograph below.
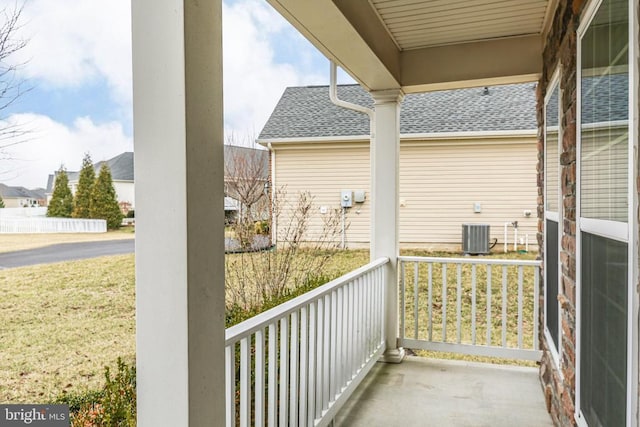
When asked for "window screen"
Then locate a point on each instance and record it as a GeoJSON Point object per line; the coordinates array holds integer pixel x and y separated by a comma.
{"type": "Point", "coordinates": [603, 363]}
{"type": "Point", "coordinates": [551, 268]}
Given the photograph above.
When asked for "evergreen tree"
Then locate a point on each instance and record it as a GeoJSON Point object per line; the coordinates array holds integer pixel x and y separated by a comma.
{"type": "Point", "coordinates": [82, 200]}
{"type": "Point", "coordinates": [104, 204]}
{"type": "Point", "coordinates": [1, 203]}
{"type": "Point", "coordinates": [61, 204]}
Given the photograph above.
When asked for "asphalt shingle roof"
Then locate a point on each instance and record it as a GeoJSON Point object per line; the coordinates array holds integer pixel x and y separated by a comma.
{"type": "Point", "coordinates": [305, 112]}
{"type": "Point", "coordinates": [7, 191]}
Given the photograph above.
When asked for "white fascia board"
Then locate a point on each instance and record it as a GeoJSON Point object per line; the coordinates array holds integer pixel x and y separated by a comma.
{"type": "Point", "coordinates": [315, 139]}
{"type": "Point", "coordinates": [507, 134]}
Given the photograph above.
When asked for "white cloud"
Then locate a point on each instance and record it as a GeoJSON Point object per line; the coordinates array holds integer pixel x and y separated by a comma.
{"type": "Point", "coordinates": [50, 144]}
{"type": "Point", "coordinates": [253, 79]}
{"type": "Point", "coordinates": [72, 43]}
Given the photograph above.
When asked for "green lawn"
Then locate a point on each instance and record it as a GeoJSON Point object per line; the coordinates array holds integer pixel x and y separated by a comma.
{"type": "Point", "coordinates": [62, 323]}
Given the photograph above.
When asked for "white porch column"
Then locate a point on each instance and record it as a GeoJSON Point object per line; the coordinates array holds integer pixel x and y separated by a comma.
{"type": "Point", "coordinates": [385, 156]}
{"type": "Point", "coordinates": [177, 75]}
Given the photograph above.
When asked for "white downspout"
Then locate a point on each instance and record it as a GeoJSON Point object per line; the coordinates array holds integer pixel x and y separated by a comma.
{"type": "Point", "coordinates": [333, 95]}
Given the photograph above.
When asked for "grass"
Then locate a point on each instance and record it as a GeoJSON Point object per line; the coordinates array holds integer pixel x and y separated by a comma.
{"type": "Point", "coordinates": [62, 323]}
{"type": "Point", "coordinates": [19, 242]}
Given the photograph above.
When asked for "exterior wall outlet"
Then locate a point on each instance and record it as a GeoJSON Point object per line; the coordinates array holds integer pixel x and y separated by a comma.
{"type": "Point", "coordinates": [527, 213]}
{"type": "Point", "coordinates": [477, 207]}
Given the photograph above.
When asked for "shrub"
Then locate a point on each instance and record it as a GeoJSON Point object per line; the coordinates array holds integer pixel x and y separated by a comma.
{"type": "Point", "coordinates": [114, 405]}
{"type": "Point", "coordinates": [262, 227]}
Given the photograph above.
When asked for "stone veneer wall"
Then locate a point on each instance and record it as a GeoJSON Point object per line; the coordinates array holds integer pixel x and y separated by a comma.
{"type": "Point", "coordinates": [561, 50]}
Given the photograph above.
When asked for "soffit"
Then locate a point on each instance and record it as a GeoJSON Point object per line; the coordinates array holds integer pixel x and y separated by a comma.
{"type": "Point", "coordinates": [414, 24]}
{"type": "Point", "coordinates": [420, 45]}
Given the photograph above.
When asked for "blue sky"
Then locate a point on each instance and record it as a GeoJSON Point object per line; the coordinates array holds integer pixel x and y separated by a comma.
{"type": "Point", "coordinates": [78, 65]}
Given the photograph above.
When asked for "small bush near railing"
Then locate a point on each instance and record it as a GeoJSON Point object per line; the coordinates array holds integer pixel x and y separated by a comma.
{"type": "Point", "coordinates": [114, 405]}
{"type": "Point", "coordinates": [236, 313]}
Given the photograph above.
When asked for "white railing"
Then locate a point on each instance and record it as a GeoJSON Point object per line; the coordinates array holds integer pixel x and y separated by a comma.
{"type": "Point", "coordinates": [296, 364]}
{"type": "Point", "coordinates": [52, 225]}
{"type": "Point", "coordinates": [470, 297]}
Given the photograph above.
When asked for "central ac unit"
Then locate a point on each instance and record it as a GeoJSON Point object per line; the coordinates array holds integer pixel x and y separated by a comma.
{"type": "Point", "coordinates": [475, 239]}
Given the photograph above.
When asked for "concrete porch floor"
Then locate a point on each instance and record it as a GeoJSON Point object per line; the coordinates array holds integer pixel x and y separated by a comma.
{"type": "Point", "coordinates": [444, 393]}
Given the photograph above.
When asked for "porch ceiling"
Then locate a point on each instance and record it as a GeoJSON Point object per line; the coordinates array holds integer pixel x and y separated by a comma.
{"type": "Point", "coordinates": [421, 45]}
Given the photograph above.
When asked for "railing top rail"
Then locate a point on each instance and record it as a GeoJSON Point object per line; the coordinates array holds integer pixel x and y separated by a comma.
{"type": "Point", "coordinates": [249, 326]}
{"type": "Point", "coordinates": [484, 261]}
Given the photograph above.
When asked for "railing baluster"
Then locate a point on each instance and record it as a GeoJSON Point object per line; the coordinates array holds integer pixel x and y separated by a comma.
{"type": "Point", "coordinates": [403, 304]}
{"type": "Point", "coordinates": [459, 302]}
{"type": "Point", "coordinates": [339, 340]}
{"type": "Point", "coordinates": [504, 306]}
{"type": "Point", "coordinates": [311, 389]}
{"type": "Point", "coordinates": [473, 304]}
{"type": "Point", "coordinates": [367, 316]}
{"type": "Point", "coordinates": [259, 372]}
{"type": "Point", "coordinates": [320, 361]}
{"type": "Point", "coordinates": [489, 321]}
{"type": "Point", "coordinates": [536, 307]}
{"type": "Point", "coordinates": [444, 302]}
{"type": "Point", "coordinates": [430, 302]}
{"type": "Point", "coordinates": [273, 373]}
{"type": "Point", "coordinates": [415, 300]}
{"type": "Point", "coordinates": [293, 373]}
{"type": "Point", "coordinates": [334, 340]}
{"type": "Point", "coordinates": [230, 385]}
{"type": "Point", "coordinates": [520, 301]}
{"type": "Point", "coordinates": [284, 369]}
{"type": "Point", "coordinates": [304, 368]}
{"type": "Point", "coordinates": [245, 382]}
{"type": "Point", "coordinates": [326, 357]}
{"type": "Point", "coordinates": [360, 304]}
{"type": "Point", "coordinates": [351, 333]}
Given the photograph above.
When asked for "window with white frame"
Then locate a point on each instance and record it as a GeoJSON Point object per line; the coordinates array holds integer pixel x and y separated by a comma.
{"type": "Point", "coordinates": [553, 213]}
{"type": "Point", "coordinates": [603, 216]}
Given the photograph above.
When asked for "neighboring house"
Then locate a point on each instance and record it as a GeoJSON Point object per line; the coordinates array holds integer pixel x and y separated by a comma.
{"type": "Point", "coordinates": [122, 174]}
{"type": "Point", "coordinates": [20, 197]}
{"type": "Point", "coordinates": [466, 156]}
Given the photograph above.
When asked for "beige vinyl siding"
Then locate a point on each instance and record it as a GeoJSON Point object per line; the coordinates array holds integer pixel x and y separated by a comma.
{"type": "Point", "coordinates": [439, 183]}
{"type": "Point", "coordinates": [324, 170]}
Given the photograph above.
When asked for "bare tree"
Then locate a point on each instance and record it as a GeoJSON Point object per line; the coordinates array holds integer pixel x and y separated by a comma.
{"type": "Point", "coordinates": [246, 180]}
{"type": "Point", "coordinates": [12, 85]}
{"type": "Point", "coordinates": [254, 277]}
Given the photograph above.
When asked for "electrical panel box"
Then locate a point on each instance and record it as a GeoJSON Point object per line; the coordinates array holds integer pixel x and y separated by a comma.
{"type": "Point", "coordinates": [359, 196]}
{"type": "Point", "coordinates": [346, 198]}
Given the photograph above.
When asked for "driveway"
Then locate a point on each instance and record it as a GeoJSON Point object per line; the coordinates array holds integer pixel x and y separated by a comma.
{"type": "Point", "coordinates": [66, 252]}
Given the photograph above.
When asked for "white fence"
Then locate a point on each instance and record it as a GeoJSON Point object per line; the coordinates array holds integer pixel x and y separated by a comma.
{"type": "Point", "coordinates": [51, 225]}
{"type": "Point", "coordinates": [455, 304]}
{"type": "Point", "coordinates": [319, 346]}
{"type": "Point", "coordinates": [23, 212]}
